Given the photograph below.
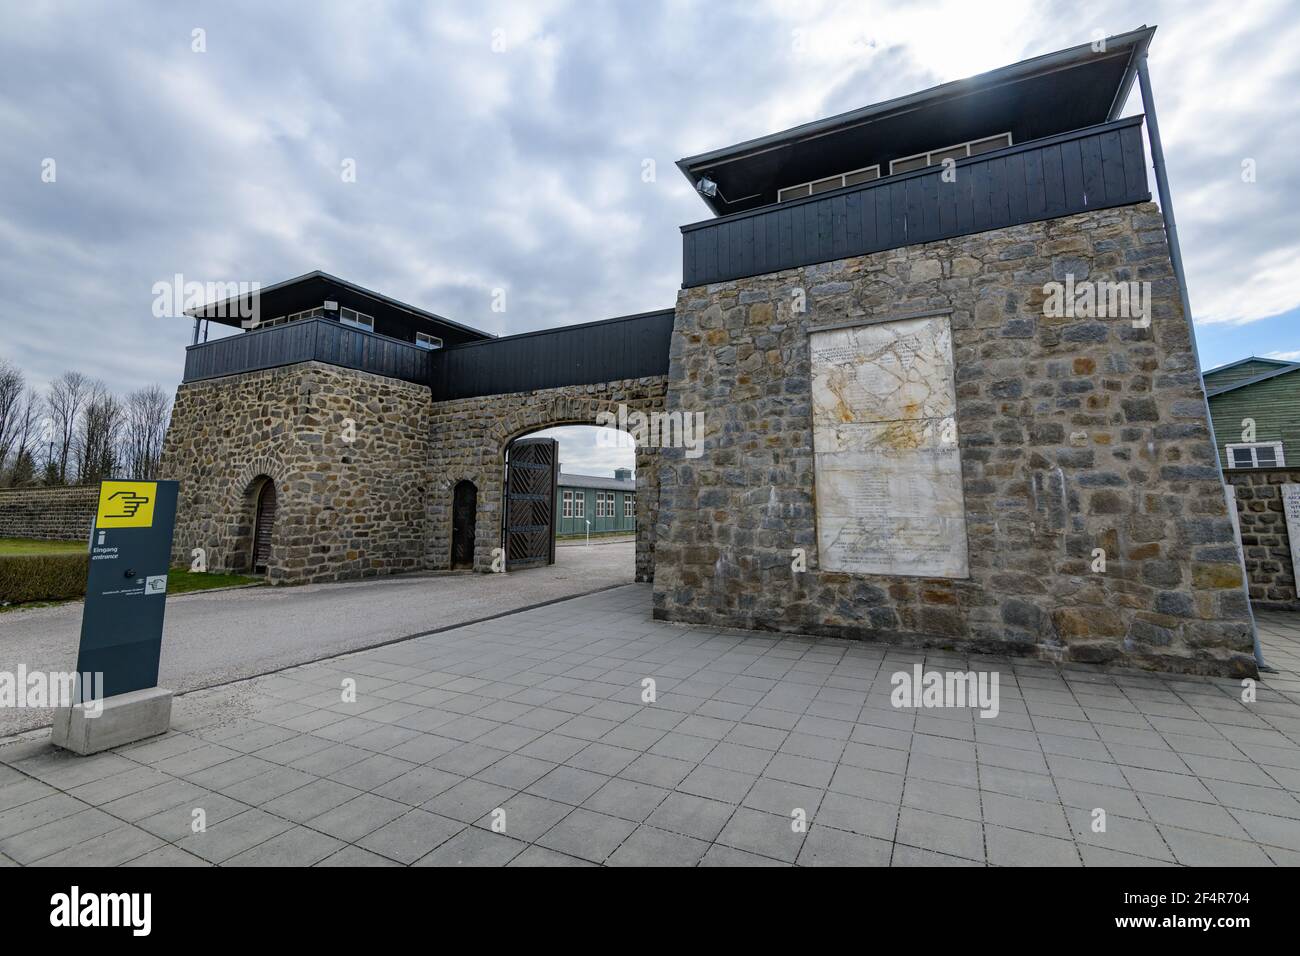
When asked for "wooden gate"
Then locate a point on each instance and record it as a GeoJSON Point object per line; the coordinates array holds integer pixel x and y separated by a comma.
{"type": "Point", "coordinates": [265, 522]}
{"type": "Point", "coordinates": [532, 467]}
{"type": "Point", "coordinates": [464, 510]}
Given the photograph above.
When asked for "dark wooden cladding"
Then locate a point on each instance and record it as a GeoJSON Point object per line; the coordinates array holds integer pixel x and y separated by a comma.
{"type": "Point", "coordinates": [632, 347]}
{"type": "Point", "coordinates": [308, 340]}
{"type": "Point", "coordinates": [1043, 179]}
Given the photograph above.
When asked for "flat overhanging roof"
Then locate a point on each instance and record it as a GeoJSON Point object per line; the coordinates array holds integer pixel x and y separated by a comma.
{"type": "Point", "coordinates": [1049, 94]}
{"type": "Point", "coordinates": [310, 290]}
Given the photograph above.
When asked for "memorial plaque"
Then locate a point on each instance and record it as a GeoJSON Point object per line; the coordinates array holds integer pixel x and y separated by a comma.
{"type": "Point", "coordinates": [1291, 508]}
{"type": "Point", "coordinates": [888, 471]}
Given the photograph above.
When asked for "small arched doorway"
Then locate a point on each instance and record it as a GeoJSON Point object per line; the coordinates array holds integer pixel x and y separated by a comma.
{"type": "Point", "coordinates": [464, 512]}
{"type": "Point", "coordinates": [263, 526]}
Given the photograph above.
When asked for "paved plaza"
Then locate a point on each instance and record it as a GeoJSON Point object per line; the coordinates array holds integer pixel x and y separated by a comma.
{"type": "Point", "coordinates": [534, 723]}
{"type": "Point", "coordinates": [214, 637]}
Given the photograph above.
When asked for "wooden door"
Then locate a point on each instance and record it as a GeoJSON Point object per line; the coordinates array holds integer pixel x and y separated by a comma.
{"type": "Point", "coordinates": [464, 511]}
{"type": "Point", "coordinates": [265, 523]}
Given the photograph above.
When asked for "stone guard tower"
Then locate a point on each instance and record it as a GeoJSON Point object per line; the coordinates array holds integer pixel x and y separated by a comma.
{"type": "Point", "coordinates": [951, 392]}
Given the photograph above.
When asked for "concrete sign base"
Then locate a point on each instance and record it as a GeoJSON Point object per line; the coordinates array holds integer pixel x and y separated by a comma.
{"type": "Point", "coordinates": [126, 718]}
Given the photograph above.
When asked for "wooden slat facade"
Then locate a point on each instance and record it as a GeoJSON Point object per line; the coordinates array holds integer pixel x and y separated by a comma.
{"type": "Point", "coordinates": [1272, 406]}
{"type": "Point", "coordinates": [631, 347]}
{"type": "Point", "coordinates": [308, 340]}
{"type": "Point", "coordinates": [1075, 172]}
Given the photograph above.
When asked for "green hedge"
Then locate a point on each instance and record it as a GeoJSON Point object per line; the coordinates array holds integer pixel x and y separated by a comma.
{"type": "Point", "coordinates": [42, 577]}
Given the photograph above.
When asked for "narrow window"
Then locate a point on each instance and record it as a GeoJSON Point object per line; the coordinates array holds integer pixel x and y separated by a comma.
{"type": "Point", "coordinates": [852, 178]}
{"type": "Point", "coordinates": [357, 319]}
{"type": "Point", "coordinates": [1256, 455]}
{"type": "Point", "coordinates": [957, 152]}
{"type": "Point", "coordinates": [907, 164]}
{"type": "Point", "coordinates": [936, 157]}
{"type": "Point", "coordinates": [862, 176]}
{"type": "Point", "coordinates": [990, 144]}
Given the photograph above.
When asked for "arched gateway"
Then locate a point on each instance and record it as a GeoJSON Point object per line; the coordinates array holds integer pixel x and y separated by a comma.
{"type": "Point", "coordinates": [472, 436]}
{"type": "Point", "coordinates": [908, 439]}
{"type": "Point", "coordinates": [387, 454]}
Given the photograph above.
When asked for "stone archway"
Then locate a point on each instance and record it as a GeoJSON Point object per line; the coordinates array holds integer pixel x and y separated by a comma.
{"type": "Point", "coordinates": [238, 543]}
{"type": "Point", "coordinates": [470, 437]}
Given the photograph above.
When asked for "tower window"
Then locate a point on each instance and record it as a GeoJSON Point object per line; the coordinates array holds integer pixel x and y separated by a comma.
{"type": "Point", "coordinates": [960, 151]}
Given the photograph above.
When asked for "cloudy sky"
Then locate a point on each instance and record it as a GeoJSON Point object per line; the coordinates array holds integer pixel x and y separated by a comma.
{"type": "Point", "coordinates": [502, 145]}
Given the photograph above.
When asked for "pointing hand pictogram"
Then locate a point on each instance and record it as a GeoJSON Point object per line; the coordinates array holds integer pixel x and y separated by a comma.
{"type": "Point", "coordinates": [128, 502]}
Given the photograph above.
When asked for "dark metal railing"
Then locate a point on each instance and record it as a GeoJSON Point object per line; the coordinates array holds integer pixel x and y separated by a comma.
{"type": "Point", "coordinates": [308, 340]}
{"type": "Point", "coordinates": [1074, 172]}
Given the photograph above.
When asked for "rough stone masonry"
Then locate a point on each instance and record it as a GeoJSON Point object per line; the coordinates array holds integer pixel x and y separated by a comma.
{"type": "Point", "coordinates": [56, 514]}
{"type": "Point", "coordinates": [1074, 434]}
{"type": "Point", "coordinates": [1265, 537]}
{"type": "Point", "coordinates": [364, 467]}
{"type": "Point", "coordinates": [470, 436]}
{"type": "Point", "coordinates": [348, 452]}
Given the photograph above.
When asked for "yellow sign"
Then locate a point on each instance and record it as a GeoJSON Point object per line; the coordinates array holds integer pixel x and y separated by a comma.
{"type": "Point", "coordinates": [126, 504]}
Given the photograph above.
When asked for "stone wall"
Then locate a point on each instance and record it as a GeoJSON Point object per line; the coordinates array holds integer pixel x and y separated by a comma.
{"type": "Point", "coordinates": [56, 514]}
{"type": "Point", "coordinates": [1264, 538]}
{"type": "Point", "coordinates": [469, 439]}
{"type": "Point", "coordinates": [346, 508]}
{"type": "Point", "coordinates": [1074, 434]}
{"type": "Point", "coordinates": [382, 502]}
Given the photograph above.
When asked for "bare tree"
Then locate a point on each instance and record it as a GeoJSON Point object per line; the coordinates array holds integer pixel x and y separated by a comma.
{"type": "Point", "coordinates": [147, 412]}
{"type": "Point", "coordinates": [81, 430]}
{"type": "Point", "coordinates": [12, 407]}
{"type": "Point", "coordinates": [25, 444]}
{"type": "Point", "coordinates": [66, 398]}
{"type": "Point", "coordinates": [98, 432]}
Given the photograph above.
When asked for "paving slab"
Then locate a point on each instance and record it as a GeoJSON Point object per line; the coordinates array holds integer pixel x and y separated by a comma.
{"type": "Point", "coordinates": [523, 741]}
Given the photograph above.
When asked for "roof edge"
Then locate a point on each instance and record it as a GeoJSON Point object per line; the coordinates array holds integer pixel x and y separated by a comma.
{"type": "Point", "coordinates": [562, 328]}
{"type": "Point", "coordinates": [1212, 392]}
{"type": "Point", "coordinates": [1135, 41]}
{"type": "Point", "coordinates": [352, 287]}
{"type": "Point", "coordinates": [1248, 358]}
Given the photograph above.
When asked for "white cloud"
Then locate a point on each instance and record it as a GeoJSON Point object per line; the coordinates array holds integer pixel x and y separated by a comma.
{"type": "Point", "coordinates": [587, 450]}
{"type": "Point", "coordinates": [522, 168]}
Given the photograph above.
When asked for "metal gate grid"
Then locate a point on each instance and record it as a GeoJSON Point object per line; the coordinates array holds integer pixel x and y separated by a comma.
{"type": "Point", "coordinates": [532, 465]}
